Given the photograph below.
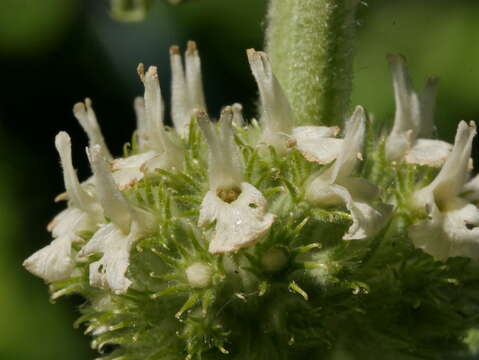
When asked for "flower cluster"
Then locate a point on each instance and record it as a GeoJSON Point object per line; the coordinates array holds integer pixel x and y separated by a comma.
{"type": "Point", "coordinates": [270, 223]}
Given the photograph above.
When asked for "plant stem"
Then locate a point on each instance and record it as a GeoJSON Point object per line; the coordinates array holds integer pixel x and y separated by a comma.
{"type": "Point", "coordinates": [311, 45]}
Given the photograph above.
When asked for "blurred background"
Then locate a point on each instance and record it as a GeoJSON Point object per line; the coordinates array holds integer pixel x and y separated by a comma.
{"type": "Point", "coordinates": [54, 53]}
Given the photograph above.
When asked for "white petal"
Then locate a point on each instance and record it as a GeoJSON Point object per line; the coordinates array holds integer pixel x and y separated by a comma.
{"type": "Point", "coordinates": [432, 153]}
{"type": "Point", "coordinates": [450, 181]}
{"type": "Point", "coordinates": [110, 271]}
{"type": "Point", "coordinates": [408, 111]}
{"type": "Point", "coordinates": [414, 113]}
{"type": "Point", "coordinates": [278, 116]}
{"type": "Point", "coordinates": [429, 236]}
{"type": "Point", "coordinates": [179, 92]}
{"type": "Point", "coordinates": [76, 193]}
{"type": "Point", "coordinates": [240, 223]}
{"type": "Point", "coordinates": [448, 234]}
{"type": "Point", "coordinates": [87, 119]}
{"type": "Point", "coordinates": [71, 221]}
{"type": "Point", "coordinates": [225, 168]}
{"type": "Point", "coordinates": [194, 80]}
{"type": "Point", "coordinates": [128, 171]}
{"type": "Point", "coordinates": [318, 143]}
{"type": "Point", "coordinates": [114, 204]}
{"type": "Point", "coordinates": [55, 261]}
{"type": "Point", "coordinates": [367, 220]}
{"type": "Point", "coordinates": [351, 147]}
{"type": "Point", "coordinates": [187, 87]}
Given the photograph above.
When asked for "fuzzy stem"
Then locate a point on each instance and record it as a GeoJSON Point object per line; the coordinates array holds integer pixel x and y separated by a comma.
{"type": "Point", "coordinates": [311, 45]}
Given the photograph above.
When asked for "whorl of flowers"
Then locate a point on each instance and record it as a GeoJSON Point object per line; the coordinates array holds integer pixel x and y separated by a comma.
{"type": "Point", "coordinates": [234, 239]}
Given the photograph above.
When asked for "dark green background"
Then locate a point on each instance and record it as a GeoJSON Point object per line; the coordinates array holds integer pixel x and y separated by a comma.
{"type": "Point", "coordinates": [53, 53]}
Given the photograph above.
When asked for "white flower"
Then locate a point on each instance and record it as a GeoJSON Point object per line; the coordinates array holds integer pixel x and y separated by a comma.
{"type": "Point", "coordinates": [317, 143]}
{"type": "Point", "coordinates": [335, 186]}
{"type": "Point", "coordinates": [413, 121]}
{"type": "Point", "coordinates": [56, 261]}
{"type": "Point", "coordinates": [113, 240]}
{"type": "Point", "coordinates": [451, 228]}
{"type": "Point", "coordinates": [239, 209]}
{"type": "Point", "coordinates": [186, 87]}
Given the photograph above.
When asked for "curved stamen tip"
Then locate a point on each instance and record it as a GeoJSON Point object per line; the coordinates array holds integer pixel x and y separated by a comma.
{"type": "Point", "coordinates": [191, 48]}
{"type": "Point", "coordinates": [174, 50]}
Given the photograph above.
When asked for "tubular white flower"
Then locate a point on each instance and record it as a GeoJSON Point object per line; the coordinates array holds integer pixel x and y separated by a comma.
{"type": "Point", "coordinates": [170, 155]}
{"type": "Point", "coordinates": [335, 186]}
{"type": "Point", "coordinates": [87, 119]}
{"type": "Point", "coordinates": [414, 118]}
{"type": "Point", "coordinates": [239, 223]}
{"type": "Point", "coordinates": [278, 118]}
{"type": "Point", "coordinates": [238, 208]}
{"type": "Point", "coordinates": [452, 220]}
{"type": "Point", "coordinates": [56, 261]}
{"type": "Point", "coordinates": [225, 168]}
{"type": "Point", "coordinates": [114, 239]}
{"type": "Point", "coordinates": [186, 87]}
{"type": "Point", "coordinates": [316, 143]}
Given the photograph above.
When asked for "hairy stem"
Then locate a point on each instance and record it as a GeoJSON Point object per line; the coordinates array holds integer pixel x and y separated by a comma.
{"type": "Point", "coordinates": [311, 45]}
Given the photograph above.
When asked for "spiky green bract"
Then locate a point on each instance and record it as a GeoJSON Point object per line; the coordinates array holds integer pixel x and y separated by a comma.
{"type": "Point", "coordinates": [300, 293]}
{"type": "Point", "coordinates": [311, 45]}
